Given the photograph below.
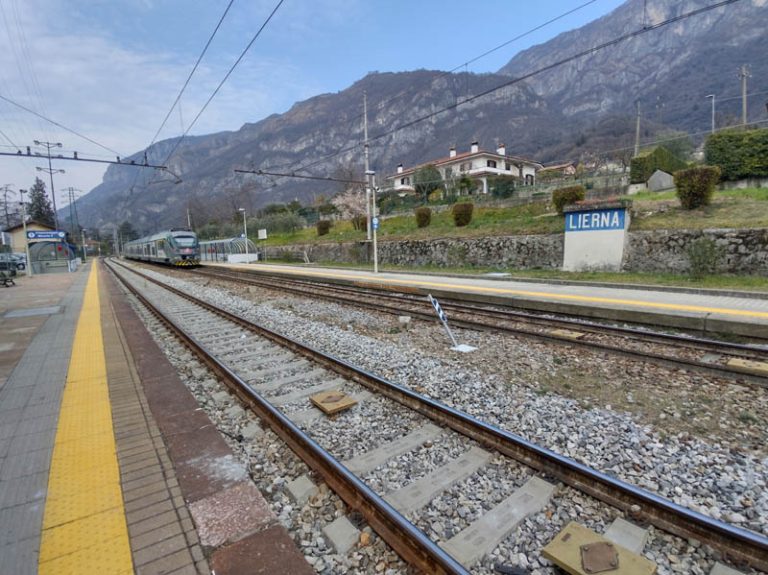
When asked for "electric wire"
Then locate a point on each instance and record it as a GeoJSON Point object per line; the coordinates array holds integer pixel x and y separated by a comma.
{"type": "Point", "coordinates": [381, 104]}
{"type": "Point", "coordinates": [186, 83]}
{"type": "Point", "coordinates": [226, 77]}
{"type": "Point", "coordinates": [633, 34]}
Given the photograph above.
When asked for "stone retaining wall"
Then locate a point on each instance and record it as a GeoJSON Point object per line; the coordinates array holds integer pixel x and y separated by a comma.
{"type": "Point", "coordinates": [660, 251]}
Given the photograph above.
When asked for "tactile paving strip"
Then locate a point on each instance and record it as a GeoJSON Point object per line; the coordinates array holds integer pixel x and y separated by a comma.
{"type": "Point", "coordinates": [84, 528]}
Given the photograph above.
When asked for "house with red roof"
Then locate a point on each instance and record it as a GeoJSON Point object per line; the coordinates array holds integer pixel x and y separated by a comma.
{"type": "Point", "coordinates": [477, 164]}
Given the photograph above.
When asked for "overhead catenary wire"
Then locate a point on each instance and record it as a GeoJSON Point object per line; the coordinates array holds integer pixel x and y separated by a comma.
{"type": "Point", "coordinates": [383, 103]}
{"type": "Point", "coordinates": [633, 34]}
{"type": "Point", "coordinates": [186, 82]}
{"type": "Point", "coordinates": [226, 77]}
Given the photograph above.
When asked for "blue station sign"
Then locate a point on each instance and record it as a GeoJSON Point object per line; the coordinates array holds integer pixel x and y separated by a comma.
{"type": "Point", "coordinates": [595, 220]}
{"type": "Point", "coordinates": [46, 235]}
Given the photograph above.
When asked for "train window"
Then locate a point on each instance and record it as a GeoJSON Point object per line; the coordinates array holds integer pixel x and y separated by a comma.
{"type": "Point", "coordinates": [185, 240]}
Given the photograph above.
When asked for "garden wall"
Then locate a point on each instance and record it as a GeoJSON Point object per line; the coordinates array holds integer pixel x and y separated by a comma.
{"type": "Point", "coordinates": [659, 251]}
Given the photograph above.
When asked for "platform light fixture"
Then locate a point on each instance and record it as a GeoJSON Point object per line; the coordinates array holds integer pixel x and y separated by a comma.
{"type": "Point", "coordinates": [245, 229]}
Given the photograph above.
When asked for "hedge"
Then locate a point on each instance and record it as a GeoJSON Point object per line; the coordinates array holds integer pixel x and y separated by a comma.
{"type": "Point", "coordinates": [562, 197]}
{"type": "Point", "coordinates": [423, 217]}
{"type": "Point", "coordinates": [695, 186]}
{"type": "Point", "coordinates": [462, 214]}
{"type": "Point", "coordinates": [646, 162]}
{"type": "Point", "coordinates": [739, 154]}
{"type": "Point", "coordinates": [323, 227]}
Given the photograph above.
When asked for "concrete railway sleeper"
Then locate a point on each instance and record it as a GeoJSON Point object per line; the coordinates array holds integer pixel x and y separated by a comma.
{"type": "Point", "coordinates": [745, 362]}
{"type": "Point", "coordinates": [739, 544]}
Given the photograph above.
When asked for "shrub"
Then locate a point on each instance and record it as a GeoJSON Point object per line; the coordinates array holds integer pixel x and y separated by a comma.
{"type": "Point", "coordinates": [462, 214]}
{"type": "Point", "coordinates": [695, 186]}
{"type": "Point", "coordinates": [739, 154]}
{"type": "Point", "coordinates": [566, 196]}
{"type": "Point", "coordinates": [643, 165]}
{"type": "Point", "coordinates": [279, 223]}
{"type": "Point", "coordinates": [704, 256]}
{"type": "Point", "coordinates": [423, 217]}
{"type": "Point", "coordinates": [323, 227]}
{"type": "Point", "coordinates": [360, 222]}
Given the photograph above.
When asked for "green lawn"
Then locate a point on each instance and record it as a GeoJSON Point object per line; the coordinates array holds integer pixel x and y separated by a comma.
{"type": "Point", "coordinates": [731, 209]}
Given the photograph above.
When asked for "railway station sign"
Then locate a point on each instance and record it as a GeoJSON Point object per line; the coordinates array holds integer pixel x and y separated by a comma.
{"type": "Point", "coordinates": [46, 235]}
{"type": "Point", "coordinates": [595, 235]}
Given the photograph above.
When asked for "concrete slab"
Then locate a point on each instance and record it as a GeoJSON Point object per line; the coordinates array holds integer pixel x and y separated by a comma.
{"type": "Point", "coordinates": [268, 552]}
{"type": "Point", "coordinates": [749, 366]}
{"type": "Point", "coordinates": [627, 534]}
{"type": "Point", "coordinates": [373, 458]}
{"type": "Point", "coordinates": [565, 552]}
{"type": "Point", "coordinates": [277, 383]}
{"type": "Point", "coordinates": [341, 534]}
{"type": "Point", "coordinates": [229, 514]}
{"type": "Point", "coordinates": [484, 535]}
{"type": "Point", "coordinates": [305, 393]}
{"type": "Point", "coordinates": [720, 569]}
{"type": "Point", "coordinates": [311, 414]}
{"type": "Point", "coordinates": [419, 493]}
{"type": "Point", "coordinates": [34, 311]}
{"type": "Point", "coordinates": [301, 489]}
{"type": "Point", "coordinates": [332, 402]}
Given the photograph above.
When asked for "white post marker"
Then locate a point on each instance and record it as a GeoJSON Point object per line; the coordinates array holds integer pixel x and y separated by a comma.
{"type": "Point", "coordinates": [443, 318]}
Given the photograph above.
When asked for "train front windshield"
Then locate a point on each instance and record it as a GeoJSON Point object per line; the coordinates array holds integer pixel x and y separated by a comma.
{"type": "Point", "coordinates": [185, 241]}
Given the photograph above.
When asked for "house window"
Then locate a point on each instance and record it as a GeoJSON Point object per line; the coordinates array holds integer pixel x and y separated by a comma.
{"type": "Point", "coordinates": [491, 163]}
{"type": "Point", "coordinates": [507, 166]}
{"type": "Point", "coordinates": [528, 180]}
{"type": "Point", "coordinates": [465, 167]}
{"type": "Point", "coordinates": [448, 173]}
{"type": "Point", "coordinates": [405, 181]}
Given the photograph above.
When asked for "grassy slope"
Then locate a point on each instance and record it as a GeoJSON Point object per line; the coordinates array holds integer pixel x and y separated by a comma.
{"type": "Point", "coordinates": [729, 209]}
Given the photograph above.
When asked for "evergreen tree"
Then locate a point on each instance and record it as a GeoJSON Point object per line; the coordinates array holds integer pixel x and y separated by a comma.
{"type": "Point", "coordinates": [39, 206]}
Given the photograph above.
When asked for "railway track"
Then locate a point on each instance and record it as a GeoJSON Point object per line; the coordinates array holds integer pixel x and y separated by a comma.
{"type": "Point", "coordinates": [745, 362]}
{"type": "Point", "coordinates": [258, 364]}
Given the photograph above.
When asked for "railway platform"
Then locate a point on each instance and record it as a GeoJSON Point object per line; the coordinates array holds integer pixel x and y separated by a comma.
{"type": "Point", "coordinates": [705, 311]}
{"type": "Point", "coordinates": [107, 464]}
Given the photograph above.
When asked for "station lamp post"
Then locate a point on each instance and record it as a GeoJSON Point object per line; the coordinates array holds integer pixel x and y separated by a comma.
{"type": "Point", "coordinates": [24, 225]}
{"type": "Point", "coordinates": [713, 111]}
{"type": "Point", "coordinates": [245, 229]}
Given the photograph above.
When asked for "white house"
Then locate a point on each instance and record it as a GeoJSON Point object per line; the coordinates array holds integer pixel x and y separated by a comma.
{"type": "Point", "coordinates": [477, 164]}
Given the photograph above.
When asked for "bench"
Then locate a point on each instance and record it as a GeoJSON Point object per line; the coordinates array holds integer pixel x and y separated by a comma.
{"type": "Point", "coordinates": [6, 279]}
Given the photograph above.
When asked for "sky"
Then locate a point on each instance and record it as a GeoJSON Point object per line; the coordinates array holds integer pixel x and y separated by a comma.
{"type": "Point", "coordinates": [110, 70]}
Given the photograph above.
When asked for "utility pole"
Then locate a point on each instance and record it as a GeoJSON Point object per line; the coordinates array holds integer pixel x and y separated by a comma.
{"type": "Point", "coordinates": [24, 225]}
{"type": "Point", "coordinates": [82, 232]}
{"type": "Point", "coordinates": [74, 221]}
{"type": "Point", "coordinates": [51, 171]}
{"type": "Point", "coordinates": [367, 167]}
{"type": "Point", "coordinates": [744, 74]}
{"type": "Point", "coordinates": [637, 129]}
{"type": "Point", "coordinates": [6, 189]}
{"type": "Point", "coordinates": [713, 112]}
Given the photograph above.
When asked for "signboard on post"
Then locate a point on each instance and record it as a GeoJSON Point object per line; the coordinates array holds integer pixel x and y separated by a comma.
{"type": "Point", "coordinates": [444, 319]}
{"type": "Point", "coordinates": [46, 235]}
{"type": "Point", "coordinates": [263, 234]}
{"type": "Point", "coordinates": [595, 235]}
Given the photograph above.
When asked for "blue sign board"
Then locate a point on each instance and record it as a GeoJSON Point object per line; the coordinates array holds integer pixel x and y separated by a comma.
{"type": "Point", "coordinates": [595, 220]}
{"type": "Point", "coordinates": [375, 223]}
{"type": "Point", "coordinates": [46, 234]}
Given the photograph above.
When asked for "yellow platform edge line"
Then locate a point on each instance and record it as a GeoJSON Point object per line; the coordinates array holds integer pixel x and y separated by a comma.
{"type": "Point", "coordinates": [537, 294]}
{"type": "Point", "coordinates": [84, 530]}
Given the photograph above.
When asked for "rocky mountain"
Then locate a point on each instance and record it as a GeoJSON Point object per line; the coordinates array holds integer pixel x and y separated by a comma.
{"type": "Point", "coordinates": [584, 108]}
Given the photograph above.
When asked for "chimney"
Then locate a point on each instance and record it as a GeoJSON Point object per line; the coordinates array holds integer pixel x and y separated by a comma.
{"type": "Point", "coordinates": [399, 168]}
{"type": "Point", "coordinates": [501, 150]}
{"type": "Point", "coordinates": [452, 152]}
{"type": "Point", "coordinates": [474, 147]}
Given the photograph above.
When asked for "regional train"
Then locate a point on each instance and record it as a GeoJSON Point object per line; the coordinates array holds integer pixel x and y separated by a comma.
{"type": "Point", "coordinates": [174, 247]}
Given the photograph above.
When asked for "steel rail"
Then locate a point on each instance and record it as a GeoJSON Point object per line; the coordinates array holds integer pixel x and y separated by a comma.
{"type": "Point", "coordinates": [737, 543]}
{"type": "Point", "coordinates": [404, 537]}
{"type": "Point", "coordinates": [659, 359]}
